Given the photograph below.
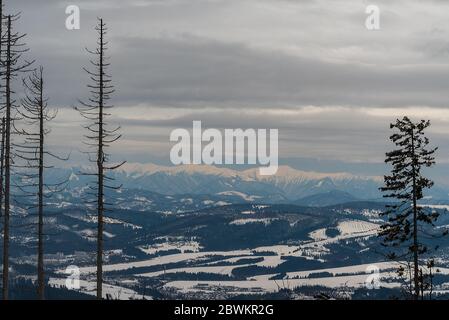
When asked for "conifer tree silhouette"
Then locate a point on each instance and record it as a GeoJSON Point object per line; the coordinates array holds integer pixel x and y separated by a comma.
{"type": "Point", "coordinates": [406, 220]}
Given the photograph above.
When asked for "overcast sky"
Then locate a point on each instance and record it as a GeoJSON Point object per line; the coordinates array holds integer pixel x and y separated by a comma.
{"type": "Point", "coordinates": [308, 68]}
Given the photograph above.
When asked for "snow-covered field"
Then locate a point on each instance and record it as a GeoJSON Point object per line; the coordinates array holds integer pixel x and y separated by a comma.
{"type": "Point", "coordinates": [263, 285]}
{"type": "Point", "coordinates": [183, 246]}
{"type": "Point", "coordinates": [195, 261]}
{"type": "Point", "coordinates": [356, 227]}
{"type": "Point", "coordinates": [179, 257]}
{"type": "Point", "coordinates": [265, 221]}
{"type": "Point", "coordinates": [113, 292]}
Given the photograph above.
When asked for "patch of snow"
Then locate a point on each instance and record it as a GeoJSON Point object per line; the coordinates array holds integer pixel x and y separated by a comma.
{"type": "Point", "coordinates": [265, 221]}
{"type": "Point", "coordinates": [239, 194]}
{"type": "Point", "coordinates": [183, 246]}
{"type": "Point", "coordinates": [350, 227]}
{"type": "Point", "coordinates": [318, 235]}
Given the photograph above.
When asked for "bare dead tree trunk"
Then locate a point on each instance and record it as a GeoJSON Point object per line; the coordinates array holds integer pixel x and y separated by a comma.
{"type": "Point", "coordinates": [12, 65]}
{"type": "Point", "coordinates": [2, 165]}
{"type": "Point", "coordinates": [100, 139]}
{"type": "Point", "coordinates": [100, 160]}
{"type": "Point", "coordinates": [415, 223]}
{"type": "Point", "coordinates": [35, 115]}
{"type": "Point", "coordinates": [3, 125]}
{"type": "Point", "coordinates": [7, 165]}
{"type": "Point", "coordinates": [40, 251]}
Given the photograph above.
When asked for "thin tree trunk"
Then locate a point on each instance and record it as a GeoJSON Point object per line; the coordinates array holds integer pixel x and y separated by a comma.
{"type": "Point", "coordinates": [100, 159]}
{"type": "Point", "coordinates": [415, 224]}
{"type": "Point", "coordinates": [40, 262]}
{"type": "Point", "coordinates": [7, 166]}
{"type": "Point", "coordinates": [102, 137]}
{"type": "Point", "coordinates": [431, 283]}
{"type": "Point", "coordinates": [421, 278]}
{"type": "Point", "coordinates": [2, 165]}
{"type": "Point", "coordinates": [3, 126]}
{"type": "Point", "coordinates": [3, 120]}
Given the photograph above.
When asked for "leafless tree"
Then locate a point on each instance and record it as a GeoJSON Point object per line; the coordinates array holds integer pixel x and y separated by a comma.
{"type": "Point", "coordinates": [12, 64]}
{"type": "Point", "coordinates": [2, 164]}
{"type": "Point", "coordinates": [3, 119]}
{"type": "Point", "coordinates": [99, 138]}
{"type": "Point", "coordinates": [33, 153]}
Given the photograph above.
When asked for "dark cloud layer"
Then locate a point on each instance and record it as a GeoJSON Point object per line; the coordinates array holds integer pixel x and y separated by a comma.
{"type": "Point", "coordinates": [233, 63]}
{"type": "Point", "coordinates": [184, 68]}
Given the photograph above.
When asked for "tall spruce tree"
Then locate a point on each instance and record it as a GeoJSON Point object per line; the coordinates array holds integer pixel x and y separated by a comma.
{"type": "Point", "coordinates": [406, 220]}
{"type": "Point", "coordinates": [99, 139]}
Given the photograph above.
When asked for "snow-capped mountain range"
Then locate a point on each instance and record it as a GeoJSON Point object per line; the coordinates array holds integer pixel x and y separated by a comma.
{"type": "Point", "coordinates": [287, 185]}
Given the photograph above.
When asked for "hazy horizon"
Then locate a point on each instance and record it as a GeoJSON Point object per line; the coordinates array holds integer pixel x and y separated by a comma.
{"type": "Point", "coordinates": [311, 70]}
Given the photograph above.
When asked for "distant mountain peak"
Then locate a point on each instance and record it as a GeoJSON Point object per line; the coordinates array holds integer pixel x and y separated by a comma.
{"type": "Point", "coordinates": [150, 168]}
{"type": "Point", "coordinates": [284, 171]}
{"type": "Point", "coordinates": [288, 183]}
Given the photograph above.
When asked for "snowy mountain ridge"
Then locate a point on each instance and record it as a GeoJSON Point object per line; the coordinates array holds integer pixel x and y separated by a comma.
{"type": "Point", "coordinates": [283, 173]}
{"type": "Point", "coordinates": [287, 185]}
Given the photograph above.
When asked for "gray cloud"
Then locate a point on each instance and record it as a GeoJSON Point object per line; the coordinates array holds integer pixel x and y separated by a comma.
{"type": "Point", "coordinates": [213, 60]}
{"type": "Point", "coordinates": [163, 55]}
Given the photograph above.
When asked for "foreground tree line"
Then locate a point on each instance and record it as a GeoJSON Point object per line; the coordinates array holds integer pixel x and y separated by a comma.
{"type": "Point", "coordinates": [24, 153]}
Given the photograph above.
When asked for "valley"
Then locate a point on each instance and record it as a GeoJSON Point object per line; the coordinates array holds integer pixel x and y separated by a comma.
{"type": "Point", "coordinates": [226, 245]}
